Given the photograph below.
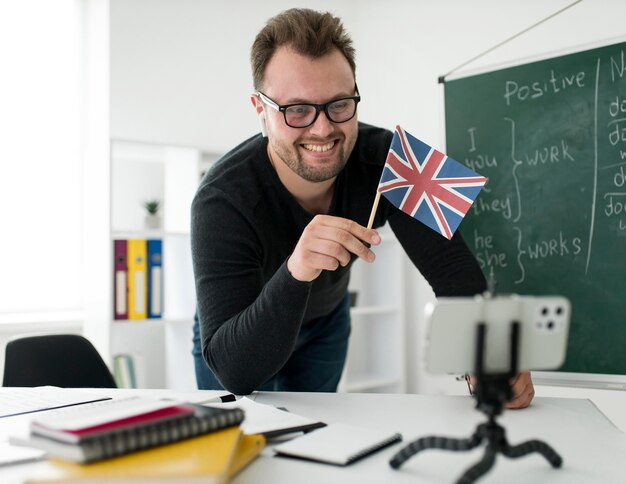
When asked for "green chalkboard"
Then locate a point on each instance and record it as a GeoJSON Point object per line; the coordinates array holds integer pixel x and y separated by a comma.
{"type": "Point", "coordinates": [551, 137]}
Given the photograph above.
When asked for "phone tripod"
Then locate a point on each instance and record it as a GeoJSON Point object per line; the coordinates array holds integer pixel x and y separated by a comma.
{"type": "Point", "coordinates": [491, 392]}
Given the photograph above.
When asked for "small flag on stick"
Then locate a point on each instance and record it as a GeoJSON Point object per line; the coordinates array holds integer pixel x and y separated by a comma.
{"type": "Point", "coordinates": [426, 184]}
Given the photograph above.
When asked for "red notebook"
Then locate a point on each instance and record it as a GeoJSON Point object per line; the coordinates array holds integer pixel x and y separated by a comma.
{"type": "Point", "coordinates": [73, 436]}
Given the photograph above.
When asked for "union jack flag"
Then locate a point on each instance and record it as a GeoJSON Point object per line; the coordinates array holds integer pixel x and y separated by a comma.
{"type": "Point", "coordinates": [428, 185]}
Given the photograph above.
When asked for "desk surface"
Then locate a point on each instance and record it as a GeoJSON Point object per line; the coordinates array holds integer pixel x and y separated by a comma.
{"type": "Point", "coordinates": [592, 448]}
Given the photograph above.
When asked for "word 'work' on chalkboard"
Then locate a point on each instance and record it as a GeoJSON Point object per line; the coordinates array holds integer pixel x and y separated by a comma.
{"type": "Point", "coordinates": [551, 137]}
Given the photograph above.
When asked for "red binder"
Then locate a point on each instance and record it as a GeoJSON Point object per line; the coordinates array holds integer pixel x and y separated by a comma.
{"type": "Point", "coordinates": [120, 280]}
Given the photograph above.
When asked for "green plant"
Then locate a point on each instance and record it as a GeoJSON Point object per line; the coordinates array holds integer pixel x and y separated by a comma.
{"type": "Point", "coordinates": [152, 206]}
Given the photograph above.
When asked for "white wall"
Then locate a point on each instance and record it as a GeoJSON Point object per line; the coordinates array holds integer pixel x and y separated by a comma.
{"type": "Point", "coordinates": [180, 68]}
{"type": "Point", "coordinates": [180, 72]}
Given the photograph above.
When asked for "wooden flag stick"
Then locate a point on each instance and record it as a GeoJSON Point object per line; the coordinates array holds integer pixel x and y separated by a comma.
{"type": "Point", "coordinates": [373, 212]}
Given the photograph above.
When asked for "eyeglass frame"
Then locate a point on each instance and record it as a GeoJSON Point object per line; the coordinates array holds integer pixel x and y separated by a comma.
{"type": "Point", "coordinates": [318, 107]}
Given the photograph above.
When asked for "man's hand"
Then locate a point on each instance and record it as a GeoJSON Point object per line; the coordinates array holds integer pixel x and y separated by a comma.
{"type": "Point", "coordinates": [326, 243]}
{"type": "Point", "coordinates": [523, 391]}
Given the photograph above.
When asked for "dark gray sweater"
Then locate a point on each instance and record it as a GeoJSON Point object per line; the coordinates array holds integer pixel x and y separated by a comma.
{"type": "Point", "coordinates": [244, 226]}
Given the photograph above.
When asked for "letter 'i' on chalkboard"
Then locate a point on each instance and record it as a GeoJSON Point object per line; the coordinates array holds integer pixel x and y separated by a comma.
{"type": "Point", "coordinates": [551, 137]}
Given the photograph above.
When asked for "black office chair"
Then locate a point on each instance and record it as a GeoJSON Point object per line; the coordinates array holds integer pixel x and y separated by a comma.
{"type": "Point", "coordinates": [63, 360]}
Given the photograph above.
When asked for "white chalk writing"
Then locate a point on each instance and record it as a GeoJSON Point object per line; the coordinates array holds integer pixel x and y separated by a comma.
{"type": "Point", "coordinates": [554, 84]}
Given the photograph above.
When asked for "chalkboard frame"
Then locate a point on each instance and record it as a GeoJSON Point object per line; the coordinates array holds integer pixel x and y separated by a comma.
{"type": "Point", "coordinates": [601, 380]}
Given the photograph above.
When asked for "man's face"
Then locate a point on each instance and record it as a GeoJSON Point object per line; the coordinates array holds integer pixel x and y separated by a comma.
{"type": "Point", "coordinates": [320, 151]}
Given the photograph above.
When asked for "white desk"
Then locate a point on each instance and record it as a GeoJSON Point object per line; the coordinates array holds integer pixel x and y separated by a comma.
{"type": "Point", "coordinates": [593, 449]}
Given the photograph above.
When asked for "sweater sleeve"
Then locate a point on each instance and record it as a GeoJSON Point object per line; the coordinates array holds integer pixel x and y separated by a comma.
{"type": "Point", "coordinates": [248, 326]}
{"type": "Point", "coordinates": [447, 265]}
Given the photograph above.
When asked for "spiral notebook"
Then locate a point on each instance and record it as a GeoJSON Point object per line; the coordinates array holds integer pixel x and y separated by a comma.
{"type": "Point", "coordinates": [107, 429]}
{"type": "Point", "coordinates": [338, 444]}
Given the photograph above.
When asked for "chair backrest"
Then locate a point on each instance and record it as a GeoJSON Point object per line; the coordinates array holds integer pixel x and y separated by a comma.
{"type": "Point", "coordinates": [63, 360]}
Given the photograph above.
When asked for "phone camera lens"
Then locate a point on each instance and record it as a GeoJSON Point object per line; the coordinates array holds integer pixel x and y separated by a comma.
{"type": "Point", "coordinates": [550, 325]}
{"type": "Point", "coordinates": [559, 310]}
{"type": "Point", "coordinates": [544, 311]}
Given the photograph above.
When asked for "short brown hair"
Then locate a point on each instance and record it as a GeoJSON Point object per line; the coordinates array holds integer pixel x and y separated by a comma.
{"type": "Point", "coordinates": [308, 32]}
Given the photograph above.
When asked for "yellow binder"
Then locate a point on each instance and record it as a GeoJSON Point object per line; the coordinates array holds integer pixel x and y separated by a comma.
{"type": "Point", "coordinates": [137, 279]}
{"type": "Point", "coordinates": [210, 459]}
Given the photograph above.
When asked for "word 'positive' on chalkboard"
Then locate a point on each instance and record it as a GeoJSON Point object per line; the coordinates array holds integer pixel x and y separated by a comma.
{"type": "Point", "coordinates": [551, 137]}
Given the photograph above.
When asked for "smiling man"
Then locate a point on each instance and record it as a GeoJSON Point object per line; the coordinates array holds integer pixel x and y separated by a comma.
{"type": "Point", "coordinates": [278, 221]}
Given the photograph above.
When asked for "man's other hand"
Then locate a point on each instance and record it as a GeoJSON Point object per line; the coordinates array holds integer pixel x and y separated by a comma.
{"type": "Point", "coordinates": [522, 390]}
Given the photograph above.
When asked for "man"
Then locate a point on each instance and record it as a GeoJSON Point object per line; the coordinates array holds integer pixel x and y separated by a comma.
{"type": "Point", "coordinates": [278, 221]}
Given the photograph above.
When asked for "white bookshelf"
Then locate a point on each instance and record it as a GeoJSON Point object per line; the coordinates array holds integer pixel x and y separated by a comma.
{"type": "Point", "coordinates": [376, 352]}
{"type": "Point", "coordinates": [161, 348]}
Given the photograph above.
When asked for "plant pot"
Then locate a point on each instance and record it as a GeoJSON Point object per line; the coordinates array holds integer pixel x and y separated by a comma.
{"type": "Point", "coordinates": [153, 221]}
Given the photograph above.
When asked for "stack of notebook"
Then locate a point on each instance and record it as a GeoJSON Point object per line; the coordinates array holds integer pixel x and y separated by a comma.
{"type": "Point", "coordinates": [209, 459]}
{"type": "Point", "coordinates": [124, 438]}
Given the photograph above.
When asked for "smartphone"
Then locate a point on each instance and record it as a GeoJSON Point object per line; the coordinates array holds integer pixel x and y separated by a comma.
{"type": "Point", "coordinates": [452, 332]}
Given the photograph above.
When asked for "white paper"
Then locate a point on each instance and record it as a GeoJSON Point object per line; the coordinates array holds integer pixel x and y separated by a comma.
{"type": "Point", "coordinates": [18, 400]}
{"type": "Point", "coordinates": [12, 454]}
{"type": "Point", "coordinates": [262, 418]}
{"type": "Point", "coordinates": [337, 443]}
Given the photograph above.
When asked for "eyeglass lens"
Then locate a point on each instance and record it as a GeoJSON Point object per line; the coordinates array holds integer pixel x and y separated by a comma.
{"type": "Point", "coordinates": [302, 115]}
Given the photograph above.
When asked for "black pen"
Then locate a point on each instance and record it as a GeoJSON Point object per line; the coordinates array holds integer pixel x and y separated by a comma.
{"type": "Point", "coordinates": [223, 399]}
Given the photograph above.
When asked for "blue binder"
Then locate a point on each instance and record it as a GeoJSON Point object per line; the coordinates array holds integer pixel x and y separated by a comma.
{"type": "Point", "coordinates": [155, 278]}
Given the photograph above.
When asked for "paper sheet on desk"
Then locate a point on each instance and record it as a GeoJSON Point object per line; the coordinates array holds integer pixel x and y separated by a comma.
{"type": "Point", "coordinates": [12, 454]}
{"type": "Point", "coordinates": [18, 400]}
{"type": "Point", "coordinates": [268, 420]}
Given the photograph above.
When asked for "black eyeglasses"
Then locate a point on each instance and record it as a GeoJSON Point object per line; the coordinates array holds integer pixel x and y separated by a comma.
{"type": "Point", "coordinates": [301, 115]}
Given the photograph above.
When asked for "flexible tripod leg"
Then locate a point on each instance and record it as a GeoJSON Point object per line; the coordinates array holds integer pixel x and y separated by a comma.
{"type": "Point", "coordinates": [433, 442]}
{"type": "Point", "coordinates": [480, 468]}
{"type": "Point", "coordinates": [520, 450]}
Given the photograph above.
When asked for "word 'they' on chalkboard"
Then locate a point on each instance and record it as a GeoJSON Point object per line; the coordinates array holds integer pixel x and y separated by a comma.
{"type": "Point", "coordinates": [551, 137]}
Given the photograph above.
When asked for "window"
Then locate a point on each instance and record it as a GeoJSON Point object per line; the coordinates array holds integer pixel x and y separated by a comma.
{"type": "Point", "coordinates": [40, 165]}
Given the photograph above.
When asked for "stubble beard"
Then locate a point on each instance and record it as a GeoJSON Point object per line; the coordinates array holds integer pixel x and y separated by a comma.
{"type": "Point", "coordinates": [291, 156]}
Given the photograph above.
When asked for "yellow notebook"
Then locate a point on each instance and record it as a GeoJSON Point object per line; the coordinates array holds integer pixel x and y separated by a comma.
{"type": "Point", "coordinates": [207, 459]}
{"type": "Point", "coordinates": [137, 279]}
{"type": "Point", "coordinates": [250, 446]}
